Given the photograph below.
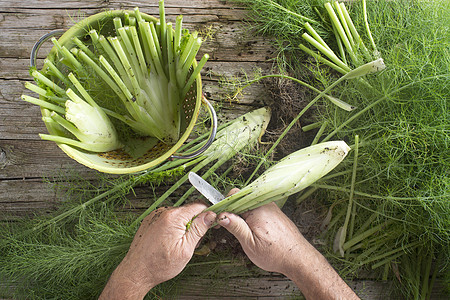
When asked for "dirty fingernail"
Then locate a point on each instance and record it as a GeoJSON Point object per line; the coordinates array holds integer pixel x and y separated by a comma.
{"type": "Point", "coordinates": [209, 219]}
{"type": "Point", "coordinates": [224, 221]}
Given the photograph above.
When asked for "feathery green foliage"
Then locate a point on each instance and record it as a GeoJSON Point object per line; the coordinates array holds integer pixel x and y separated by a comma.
{"type": "Point", "coordinates": [70, 262]}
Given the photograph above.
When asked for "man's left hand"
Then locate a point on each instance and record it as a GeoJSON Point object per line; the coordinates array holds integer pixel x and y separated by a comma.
{"type": "Point", "coordinates": [161, 248]}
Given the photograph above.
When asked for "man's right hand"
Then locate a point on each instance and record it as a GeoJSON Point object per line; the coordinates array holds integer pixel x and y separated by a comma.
{"type": "Point", "coordinates": [273, 243]}
{"type": "Point", "coordinates": [268, 237]}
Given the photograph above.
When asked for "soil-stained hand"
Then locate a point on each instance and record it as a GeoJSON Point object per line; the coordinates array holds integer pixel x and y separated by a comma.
{"type": "Point", "coordinates": [161, 248]}
{"type": "Point", "coordinates": [267, 235]}
{"type": "Point", "coordinates": [273, 243]}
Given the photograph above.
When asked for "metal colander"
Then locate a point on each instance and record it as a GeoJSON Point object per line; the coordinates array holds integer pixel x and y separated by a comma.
{"type": "Point", "coordinates": [139, 153]}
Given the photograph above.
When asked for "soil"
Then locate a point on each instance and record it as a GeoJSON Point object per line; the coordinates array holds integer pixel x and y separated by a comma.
{"type": "Point", "coordinates": [288, 99]}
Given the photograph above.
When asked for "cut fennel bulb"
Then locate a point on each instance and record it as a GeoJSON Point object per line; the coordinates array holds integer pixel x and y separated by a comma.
{"type": "Point", "coordinates": [289, 176]}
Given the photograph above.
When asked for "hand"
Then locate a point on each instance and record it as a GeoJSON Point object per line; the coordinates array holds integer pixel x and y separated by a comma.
{"type": "Point", "coordinates": [267, 236]}
{"type": "Point", "coordinates": [273, 243]}
{"type": "Point", "coordinates": [160, 250]}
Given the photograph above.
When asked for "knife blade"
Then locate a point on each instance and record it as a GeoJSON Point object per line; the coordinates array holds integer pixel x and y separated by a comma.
{"type": "Point", "coordinates": [207, 190]}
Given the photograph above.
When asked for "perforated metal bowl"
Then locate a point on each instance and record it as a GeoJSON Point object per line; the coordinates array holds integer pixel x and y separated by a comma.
{"type": "Point", "coordinates": [139, 153]}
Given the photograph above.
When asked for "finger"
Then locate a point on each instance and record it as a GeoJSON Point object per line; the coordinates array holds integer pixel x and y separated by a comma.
{"type": "Point", "coordinates": [199, 226]}
{"type": "Point", "coordinates": [233, 191]}
{"type": "Point", "coordinates": [247, 214]}
{"type": "Point", "coordinates": [236, 226]}
{"type": "Point", "coordinates": [269, 208]}
{"type": "Point", "coordinates": [202, 201]}
{"type": "Point", "coordinates": [192, 209]}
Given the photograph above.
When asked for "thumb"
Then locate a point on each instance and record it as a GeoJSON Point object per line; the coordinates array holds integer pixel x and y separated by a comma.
{"type": "Point", "coordinates": [199, 226]}
{"type": "Point", "coordinates": [236, 226]}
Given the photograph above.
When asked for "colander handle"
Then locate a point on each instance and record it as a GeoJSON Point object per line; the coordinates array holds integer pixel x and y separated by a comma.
{"type": "Point", "coordinates": [212, 135]}
{"type": "Point", "coordinates": [38, 44]}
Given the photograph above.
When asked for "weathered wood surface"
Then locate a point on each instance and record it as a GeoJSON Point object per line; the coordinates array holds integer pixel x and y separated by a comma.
{"type": "Point", "coordinates": [25, 159]}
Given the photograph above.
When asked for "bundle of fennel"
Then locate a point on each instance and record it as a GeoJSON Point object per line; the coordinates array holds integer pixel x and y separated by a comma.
{"type": "Point", "coordinates": [290, 175]}
{"type": "Point", "coordinates": [139, 75]}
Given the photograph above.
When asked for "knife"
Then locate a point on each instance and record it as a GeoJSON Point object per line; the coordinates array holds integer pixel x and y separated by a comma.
{"type": "Point", "coordinates": [207, 190]}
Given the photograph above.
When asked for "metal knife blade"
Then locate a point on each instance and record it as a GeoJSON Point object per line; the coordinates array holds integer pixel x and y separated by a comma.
{"type": "Point", "coordinates": [207, 190]}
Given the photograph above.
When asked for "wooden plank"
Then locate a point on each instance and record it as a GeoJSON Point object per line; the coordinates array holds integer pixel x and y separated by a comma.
{"type": "Point", "coordinates": [264, 287]}
{"type": "Point", "coordinates": [19, 18]}
{"type": "Point", "coordinates": [29, 197]}
{"type": "Point", "coordinates": [22, 120]}
{"type": "Point", "coordinates": [275, 286]}
{"type": "Point", "coordinates": [25, 197]}
{"type": "Point", "coordinates": [214, 70]}
{"type": "Point", "coordinates": [243, 280]}
{"type": "Point", "coordinates": [102, 4]}
{"type": "Point", "coordinates": [21, 27]}
{"type": "Point", "coordinates": [269, 288]}
{"type": "Point", "coordinates": [14, 68]}
{"type": "Point", "coordinates": [18, 119]}
{"type": "Point", "coordinates": [278, 287]}
{"type": "Point", "coordinates": [230, 42]}
{"type": "Point", "coordinates": [35, 159]}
